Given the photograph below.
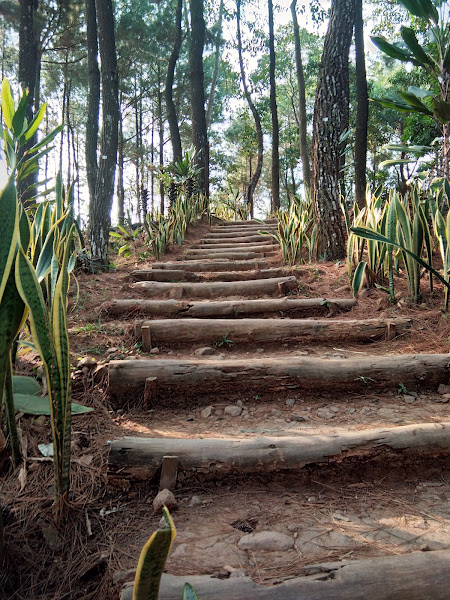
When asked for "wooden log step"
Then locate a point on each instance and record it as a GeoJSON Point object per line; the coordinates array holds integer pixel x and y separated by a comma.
{"type": "Point", "coordinates": [163, 331]}
{"type": "Point", "coordinates": [257, 287]}
{"type": "Point", "coordinates": [225, 308]}
{"type": "Point", "coordinates": [231, 255]}
{"type": "Point", "coordinates": [179, 275]}
{"type": "Point", "coordinates": [247, 239]}
{"type": "Point", "coordinates": [219, 244]}
{"type": "Point", "coordinates": [412, 576]}
{"type": "Point", "coordinates": [249, 222]}
{"type": "Point", "coordinates": [217, 235]}
{"type": "Point", "coordinates": [215, 250]}
{"type": "Point", "coordinates": [215, 264]}
{"type": "Point", "coordinates": [207, 376]}
{"type": "Point", "coordinates": [140, 458]}
{"type": "Point", "coordinates": [162, 275]}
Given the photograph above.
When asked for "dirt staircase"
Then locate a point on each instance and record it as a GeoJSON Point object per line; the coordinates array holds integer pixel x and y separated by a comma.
{"type": "Point", "coordinates": [286, 441]}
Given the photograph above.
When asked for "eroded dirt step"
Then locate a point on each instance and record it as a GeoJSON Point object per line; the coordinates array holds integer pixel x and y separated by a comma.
{"type": "Point", "coordinates": [257, 287]}
{"type": "Point", "coordinates": [176, 382]}
{"type": "Point", "coordinates": [258, 248]}
{"type": "Point", "coordinates": [250, 222]}
{"type": "Point", "coordinates": [228, 308]}
{"type": "Point", "coordinates": [250, 246]}
{"type": "Point", "coordinates": [213, 240]}
{"type": "Point", "coordinates": [231, 255]}
{"type": "Point", "coordinates": [155, 332]}
{"type": "Point", "coordinates": [235, 235]}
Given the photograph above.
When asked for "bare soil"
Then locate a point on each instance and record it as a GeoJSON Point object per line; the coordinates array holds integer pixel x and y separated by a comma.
{"type": "Point", "coordinates": [387, 503]}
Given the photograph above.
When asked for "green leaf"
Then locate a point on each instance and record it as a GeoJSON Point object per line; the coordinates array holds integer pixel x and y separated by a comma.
{"type": "Point", "coordinates": [441, 110]}
{"type": "Point", "coordinates": [46, 140]}
{"type": "Point", "coordinates": [424, 9]}
{"type": "Point", "coordinates": [189, 593]}
{"type": "Point", "coordinates": [416, 103]}
{"type": "Point", "coordinates": [420, 92]}
{"type": "Point", "coordinates": [9, 230]}
{"type": "Point", "coordinates": [19, 122]}
{"type": "Point", "coordinates": [38, 405]}
{"type": "Point", "coordinates": [34, 125]}
{"type": "Point", "coordinates": [22, 384]}
{"type": "Point", "coordinates": [391, 50]}
{"type": "Point", "coordinates": [396, 161]}
{"type": "Point", "coordinates": [410, 39]}
{"type": "Point", "coordinates": [152, 560]}
{"type": "Point", "coordinates": [7, 104]}
{"type": "Point", "coordinates": [358, 278]}
{"type": "Point", "coordinates": [395, 104]}
{"type": "Point", "coordinates": [46, 255]}
{"type": "Point", "coordinates": [403, 148]}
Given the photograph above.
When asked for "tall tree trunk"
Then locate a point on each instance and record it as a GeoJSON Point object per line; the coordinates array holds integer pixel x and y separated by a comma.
{"type": "Point", "coordinates": [196, 77]}
{"type": "Point", "coordinates": [161, 138]}
{"type": "Point", "coordinates": [172, 117]}
{"type": "Point", "coordinates": [138, 145]}
{"type": "Point", "coordinates": [100, 209]}
{"type": "Point", "coordinates": [331, 97]}
{"type": "Point", "coordinates": [29, 57]}
{"type": "Point", "coordinates": [303, 140]}
{"type": "Point", "coordinates": [362, 109]}
{"type": "Point", "coordinates": [120, 161]}
{"type": "Point", "coordinates": [256, 175]}
{"type": "Point", "coordinates": [274, 113]}
{"type": "Point", "coordinates": [93, 99]}
{"type": "Point", "coordinates": [212, 90]}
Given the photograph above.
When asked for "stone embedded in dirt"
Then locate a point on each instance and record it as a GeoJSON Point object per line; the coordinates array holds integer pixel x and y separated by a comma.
{"type": "Point", "coordinates": [238, 573]}
{"type": "Point", "coordinates": [154, 351]}
{"type": "Point", "coordinates": [240, 403]}
{"type": "Point", "coordinates": [443, 389]}
{"type": "Point", "coordinates": [325, 413]}
{"type": "Point", "coordinates": [88, 362]}
{"type": "Point", "coordinates": [299, 418]}
{"type": "Point", "coordinates": [195, 501]}
{"type": "Point", "coordinates": [259, 350]}
{"type": "Point", "coordinates": [293, 527]}
{"type": "Point", "coordinates": [165, 497]}
{"type": "Point", "coordinates": [408, 399]}
{"type": "Point", "coordinates": [232, 410]}
{"type": "Point", "coordinates": [207, 412]}
{"type": "Point", "coordinates": [266, 540]}
{"type": "Point", "coordinates": [276, 413]}
{"type": "Point", "coordinates": [112, 350]}
{"type": "Point", "coordinates": [351, 410]}
{"type": "Point", "coordinates": [443, 399]}
{"type": "Point", "coordinates": [206, 351]}
{"type": "Point", "coordinates": [290, 401]}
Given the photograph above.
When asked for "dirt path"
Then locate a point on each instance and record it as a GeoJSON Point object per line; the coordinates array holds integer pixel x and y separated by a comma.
{"type": "Point", "coordinates": [361, 501]}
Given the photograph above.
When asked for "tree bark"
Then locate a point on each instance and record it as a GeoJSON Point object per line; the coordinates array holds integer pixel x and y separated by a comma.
{"type": "Point", "coordinates": [329, 114]}
{"type": "Point", "coordinates": [29, 59]}
{"type": "Point", "coordinates": [172, 117]}
{"type": "Point", "coordinates": [196, 77]}
{"type": "Point", "coordinates": [274, 114]}
{"type": "Point", "coordinates": [362, 109]}
{"type": "Point", "coordinates": [93, 99]}
{"type": "Point", "coordinates": [100, 208]}
{"type": "Point", "coordinates": [215, 265]}
{"type": "Point", "coordinates": [212, 90]}
{"type": "Point", "coordinates": [259, 133]}
{"type": "Point", "coordinates": [120, 169]}
{"type": "Point", "coordinates": [303, 140]}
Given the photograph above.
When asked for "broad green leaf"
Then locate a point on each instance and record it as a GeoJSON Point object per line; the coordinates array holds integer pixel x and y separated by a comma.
{"type": "Point", "coordinates": [31, 293]}
{"type": "Point", "coordinates": [152, 560]}
{"type": "Point", "coordinates": [396, 161]}
{"type": "Point", "coordinates": [420, 92]}
{"type": "Point", "coordinates": [395, 104]}
{"type": "Point", "coordinates": [34, 125]}
{"type": "Point", "coordinates": [22, 384]}
{"type": "Point", "coordinates": [46, 255]}
{"type": "Point", "coordinates": [19, 122]}
{"type": "Point", "coordinates": [37, 405]}
{"type": "Point", "coordinates": [404, 148]}
{"type": "Point", "coordinates": [7, 103]}
{"type": "Point", "coordinates": [46, 140]}
{"type": "Point", "coordinates": [424, 9]}
{"type": "Point", "coordinates": [410, 39]}
{"type": "Point", "coordinates": [9, 231]}
{"type": "Point", "coordinates": [441, 110]}
{"type": "Point", "coordinates": [358, 278]}
{"type": "Point", "coordinates": [391, 50]}
{"type": "Point", "coordinates": [416, 103]}
{"type": "Point", "coordinates": [189, 593]}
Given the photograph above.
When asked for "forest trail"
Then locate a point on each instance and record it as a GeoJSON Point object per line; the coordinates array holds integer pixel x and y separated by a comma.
{"type": "Point", "coordinates": [301, 434]}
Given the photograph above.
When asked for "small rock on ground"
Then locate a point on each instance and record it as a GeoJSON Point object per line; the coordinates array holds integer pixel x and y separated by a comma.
{"type": "Point", "coordinates": [165, 497]}
{"type": "Point", "coordinates": [207, 412]}
{"type": "Point", "coordinates": [206, 351]}
{"type": "Point", "coordinates": [232, 410]}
